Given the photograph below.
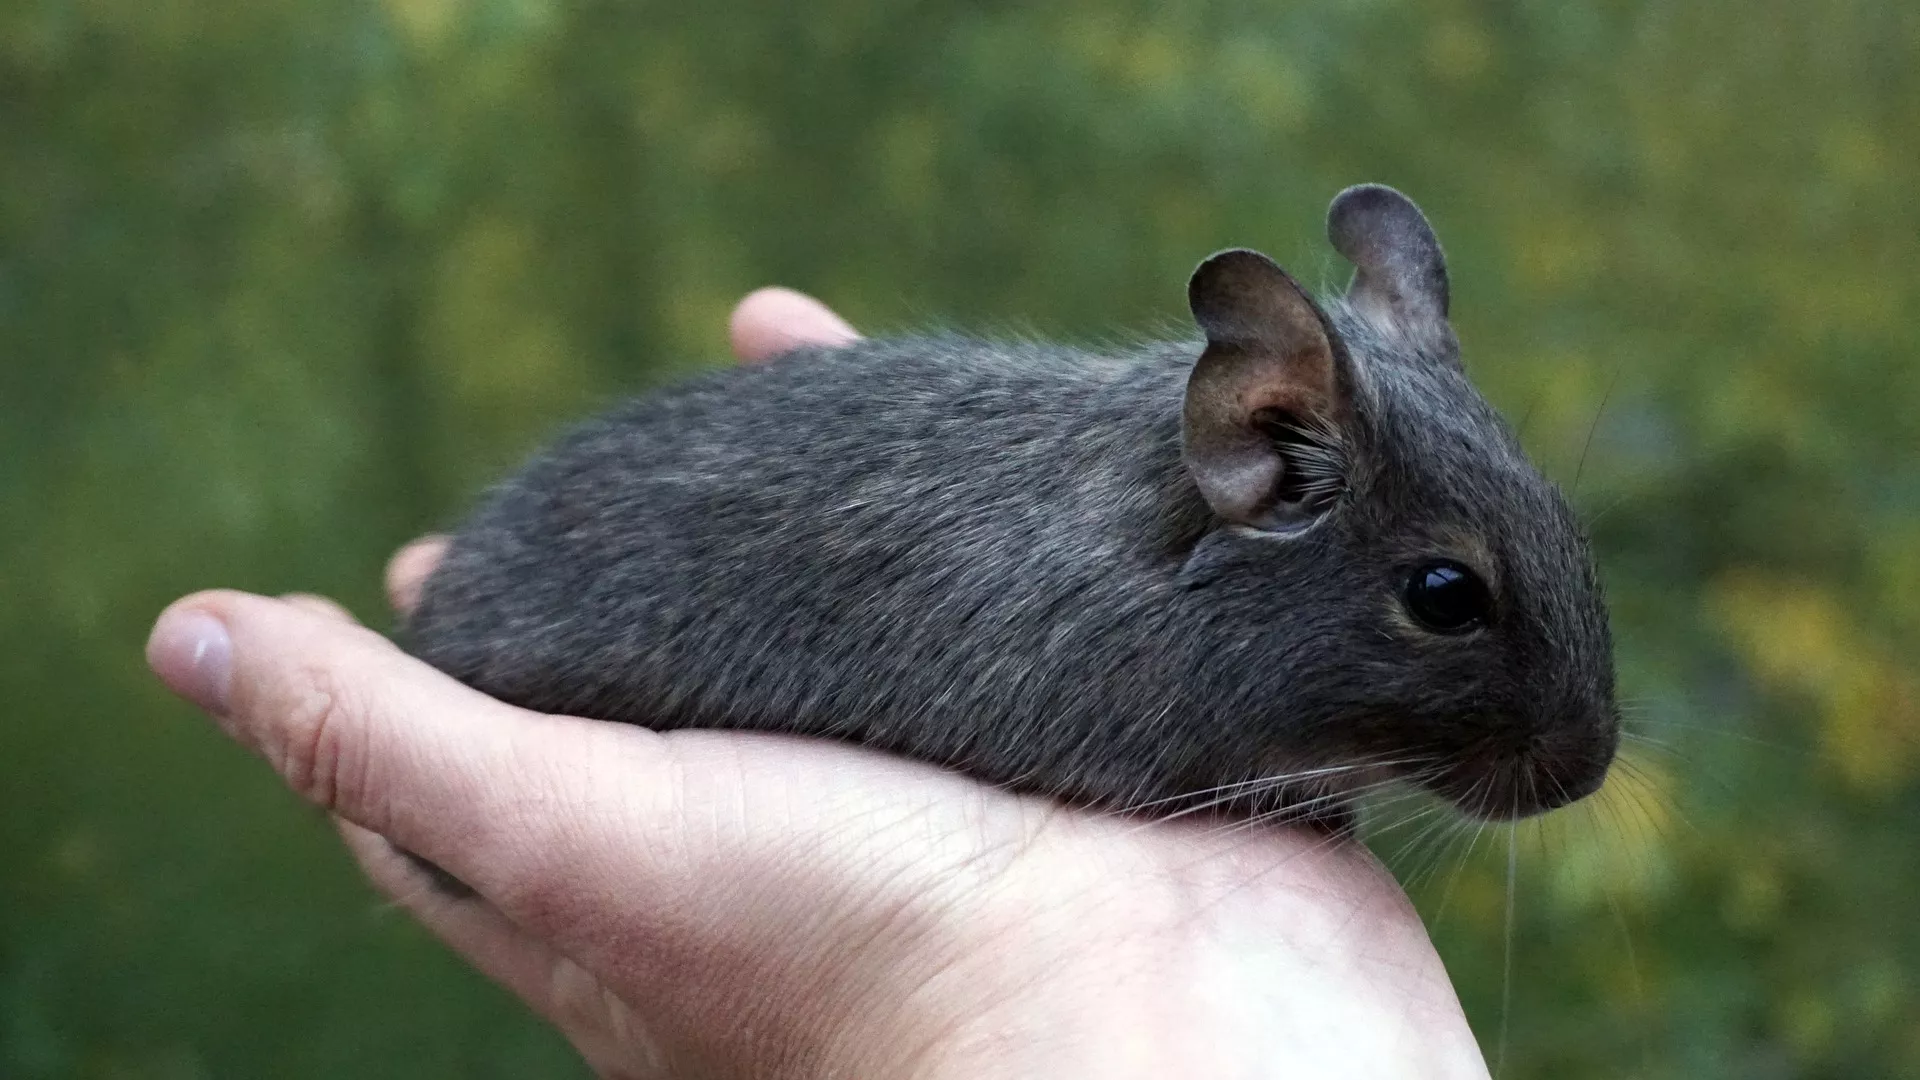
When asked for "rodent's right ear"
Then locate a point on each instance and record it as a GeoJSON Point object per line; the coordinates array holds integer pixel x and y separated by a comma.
{"type": "Point", "coordinates": [1266, 402]}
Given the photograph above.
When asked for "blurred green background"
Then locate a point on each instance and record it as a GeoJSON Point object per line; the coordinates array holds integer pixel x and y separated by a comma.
{"type": "Point", "coordinates": [281, 284]}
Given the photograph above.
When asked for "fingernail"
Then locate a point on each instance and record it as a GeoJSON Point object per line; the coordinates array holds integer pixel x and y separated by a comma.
{"type": "Point", "coordinates": [193, 655]}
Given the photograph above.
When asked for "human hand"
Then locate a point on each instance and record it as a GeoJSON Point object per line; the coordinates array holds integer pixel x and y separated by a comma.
{"type": "Point", "coordinates": [718, 904]}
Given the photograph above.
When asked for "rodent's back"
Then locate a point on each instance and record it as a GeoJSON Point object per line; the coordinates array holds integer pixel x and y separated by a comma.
{"type": "Point", "coordinates": [957, 551]}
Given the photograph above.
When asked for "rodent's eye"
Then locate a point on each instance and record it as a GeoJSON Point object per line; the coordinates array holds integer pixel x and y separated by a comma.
{"type": "Point", "coordinates": [1447, 597]}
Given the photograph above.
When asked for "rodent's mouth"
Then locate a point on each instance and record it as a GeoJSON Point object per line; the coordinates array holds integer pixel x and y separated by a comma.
{"type": "Point", "coordinates": [1516, 785]}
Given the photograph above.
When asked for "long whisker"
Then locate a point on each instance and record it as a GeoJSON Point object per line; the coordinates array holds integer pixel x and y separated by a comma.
{"type": "Point", "coordinates": [1641, 788]}
{"type": "Point", "coordinates": [1594, 520]}
{"type": "Point", "coordinates": [1446, 897]}
{"type": "Point", "coordinates": [1539, 391]}
{"type": "Point", "coordinates": [1435, 816]}
{"type": "Point", "coordinates": [1633, 963]}
{"type": "Point", "coordinates": [1228, 793]}
{"type": "Point", "coordinates": [1332, 838]}
{"type": "Point", "coordinates": [1435, 843]}
{"type": "Point", "coordinates": [1298, 810]}
{"type": "Point", "coordinates": [1240, 786]}
{"type": "Point", "coordinates": [1295, 811]}
{"type": "Point", "coordinates": [1595, 426]}
{"type": "Point", "coordinates": [1721, 732]}
{"type": "Point", "coordinates": [1506, 964]}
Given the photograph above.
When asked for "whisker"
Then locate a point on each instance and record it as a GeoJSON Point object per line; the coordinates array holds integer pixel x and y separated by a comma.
{"type": "Point", "coordinates": [1645, 740]}
{"type": "Point", "coordinates": [1424, 851]}
{"type": "Point", "coordinates": [1633, 963]}
{"type": "Point", "coordinates": [1520, 432]}
{"type": "Point", "coordinates": [1595, 426]}
{"type": "Point", "coordinates": [1506, 964]}
{"type": "Point", "coordinates": [1251, 789]}
{"type": "Point", "coordinates": [1439, 838]}
{"type": "Point", "coordinates": [1638, 788]}
{"type": "Point", "coordinates": [1480, 827]}
{"type": "Point", "coordinates": [1433, 815]}
{"type": "Point", "coordinates": [1259, 781]}
{"type": "Point", "coordinates": [1723, 733]}
{"type": "Point", "coordinates": [1297, 811]}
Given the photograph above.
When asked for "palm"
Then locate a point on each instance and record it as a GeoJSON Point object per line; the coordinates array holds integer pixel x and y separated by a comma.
{"type": "Point", "coordinates": [852, 889]}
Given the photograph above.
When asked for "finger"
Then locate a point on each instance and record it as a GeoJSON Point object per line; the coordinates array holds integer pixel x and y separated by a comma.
{"type": "Point", "coordinates": [320, 605]}
{"type": "Point", "coordinates": [473, 928]}
{"type": "Point", "coordinates": [364, 731]}
{"type": "Point", "coordinates": [774, 320]}
{"type": "Point", "coordinates": [408, 569]}
{"type": "Point", "coordinates": [560, 991]}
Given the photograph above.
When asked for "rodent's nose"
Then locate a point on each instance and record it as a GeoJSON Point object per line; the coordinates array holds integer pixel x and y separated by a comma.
{"type": "Point", "coordinates": [1576, 759]}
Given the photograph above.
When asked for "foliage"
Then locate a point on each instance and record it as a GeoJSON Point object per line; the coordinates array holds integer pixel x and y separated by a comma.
{"type": "Point", "coordinates": [282, 284]}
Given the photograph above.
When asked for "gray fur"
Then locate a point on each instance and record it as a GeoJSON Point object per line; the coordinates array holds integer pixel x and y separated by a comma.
{"type": "Point", "coordinates": [993, 556]}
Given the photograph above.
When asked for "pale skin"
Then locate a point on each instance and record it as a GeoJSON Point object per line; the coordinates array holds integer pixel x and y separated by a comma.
{"type": "Point", "coordinates": [716, 904]}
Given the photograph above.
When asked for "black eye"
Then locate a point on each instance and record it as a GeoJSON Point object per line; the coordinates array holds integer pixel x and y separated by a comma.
{"type": "Point", "coordinates": [1447, 597]}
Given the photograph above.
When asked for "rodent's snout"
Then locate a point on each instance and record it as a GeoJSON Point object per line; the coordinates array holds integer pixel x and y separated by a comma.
{"type": "Point", "coordinates": [1507, 783]}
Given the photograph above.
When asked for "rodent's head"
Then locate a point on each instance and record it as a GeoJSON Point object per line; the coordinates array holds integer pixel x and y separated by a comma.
{"type": "Point", "coordinates": [1450, 623]}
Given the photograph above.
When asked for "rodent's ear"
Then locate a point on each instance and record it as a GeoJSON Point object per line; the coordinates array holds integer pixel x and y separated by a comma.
{"type": "Point", "coordinates": [1400, 274]}
{"type": "Point", "coordinates": [1266, 401]}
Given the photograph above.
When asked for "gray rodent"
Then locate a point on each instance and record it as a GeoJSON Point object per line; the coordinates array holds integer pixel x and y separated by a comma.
{"type": "Point", "coordinates": [1306, 546]}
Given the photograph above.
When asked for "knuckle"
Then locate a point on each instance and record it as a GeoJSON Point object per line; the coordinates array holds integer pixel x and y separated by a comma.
{"type": "Point", "coordinates": [320, 756]}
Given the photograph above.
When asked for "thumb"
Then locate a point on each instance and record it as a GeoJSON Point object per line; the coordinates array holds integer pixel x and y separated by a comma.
{"type": "Point", "coordinates": [388, 743]}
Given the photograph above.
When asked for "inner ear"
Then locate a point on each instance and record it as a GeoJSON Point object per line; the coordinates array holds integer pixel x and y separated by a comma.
{"type": "Point", "coordinates": [1266, 401]}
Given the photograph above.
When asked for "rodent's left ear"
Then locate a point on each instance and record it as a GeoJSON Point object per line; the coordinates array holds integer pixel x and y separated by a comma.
{"type": "Point", "coordinates": [1268, 389]}
{"type": "Point", "coordinates": [1400, 274]}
